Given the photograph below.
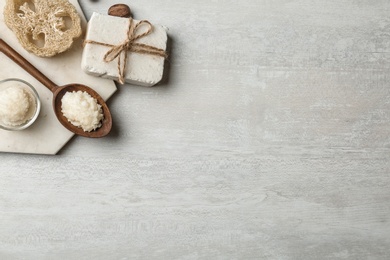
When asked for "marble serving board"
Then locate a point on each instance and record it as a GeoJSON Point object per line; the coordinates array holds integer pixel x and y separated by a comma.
{"type": "Point", "coordinates": [46, 135]}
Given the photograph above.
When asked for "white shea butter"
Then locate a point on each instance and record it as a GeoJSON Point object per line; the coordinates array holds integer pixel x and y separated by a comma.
{"type": "Point", "coordinates": [82, 110]}
{"type": "Point", "coordinates": [17, 106]}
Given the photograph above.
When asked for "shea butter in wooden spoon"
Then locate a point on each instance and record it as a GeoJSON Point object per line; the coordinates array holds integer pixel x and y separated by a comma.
{"type": "Point", "coordinates": [59, 92]}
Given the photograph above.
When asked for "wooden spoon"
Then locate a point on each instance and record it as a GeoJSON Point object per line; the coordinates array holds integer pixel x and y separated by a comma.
{"type": "Point", "coordinates": [59, 92]}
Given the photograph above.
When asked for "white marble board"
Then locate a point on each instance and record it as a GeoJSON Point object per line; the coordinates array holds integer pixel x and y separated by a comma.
{"type": "Point", "coordinates": [47, 135]}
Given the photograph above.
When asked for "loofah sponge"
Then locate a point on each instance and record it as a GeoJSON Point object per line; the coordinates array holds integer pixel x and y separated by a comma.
{"type": "Point", "coordinates": [43, 27]}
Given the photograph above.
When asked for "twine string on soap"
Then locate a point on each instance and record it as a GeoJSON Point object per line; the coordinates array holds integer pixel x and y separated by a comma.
{"type": "Point", "coordinates": [130, 45]}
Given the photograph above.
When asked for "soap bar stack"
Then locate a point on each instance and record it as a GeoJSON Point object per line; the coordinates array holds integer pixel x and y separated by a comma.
{"type": "Point", "coordinates": [125, 50]}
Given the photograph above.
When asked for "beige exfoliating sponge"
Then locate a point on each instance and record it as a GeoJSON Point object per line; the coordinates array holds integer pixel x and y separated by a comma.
{"type": "Point", "coordinates": [43, 27]}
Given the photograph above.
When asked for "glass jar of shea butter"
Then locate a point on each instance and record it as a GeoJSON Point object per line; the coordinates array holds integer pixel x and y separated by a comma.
{"type": "Point", "coordinates": [19, 104]}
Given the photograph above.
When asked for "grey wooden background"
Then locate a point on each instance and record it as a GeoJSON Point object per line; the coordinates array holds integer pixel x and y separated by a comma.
{"type": "Point", "coordinates": [269, 139]}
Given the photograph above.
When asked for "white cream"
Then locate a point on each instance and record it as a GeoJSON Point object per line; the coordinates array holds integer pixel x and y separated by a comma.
{"type": "Point", "coordinates": [141, 69]}
{"type": "Point", "coordinates": [82, 110]}
{"type": "Point", "coordinates": [17, 106]}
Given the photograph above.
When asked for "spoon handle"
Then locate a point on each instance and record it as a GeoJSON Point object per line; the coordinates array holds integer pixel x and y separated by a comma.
{"type": "Point", "coordinates": [27, 66]}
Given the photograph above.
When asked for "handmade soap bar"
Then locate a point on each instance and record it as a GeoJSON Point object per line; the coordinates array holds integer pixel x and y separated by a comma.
{"type": "Point", "coordinates": [125, 50]}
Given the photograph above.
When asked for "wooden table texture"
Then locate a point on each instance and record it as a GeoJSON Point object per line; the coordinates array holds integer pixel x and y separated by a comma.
{"type": "Point", "coordinates": [269, 138]}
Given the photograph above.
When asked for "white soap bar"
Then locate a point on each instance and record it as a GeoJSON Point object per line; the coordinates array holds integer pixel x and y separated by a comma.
{"type": "Point", "coordinates": [141, 68]}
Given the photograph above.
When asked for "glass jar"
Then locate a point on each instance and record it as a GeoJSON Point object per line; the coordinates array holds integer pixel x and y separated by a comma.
{"type": "Point", "coordinates": [19, 104]}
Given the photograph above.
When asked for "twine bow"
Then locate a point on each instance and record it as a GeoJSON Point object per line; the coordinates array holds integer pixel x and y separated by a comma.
{"type": "Point", "coordinates": [129, 44]}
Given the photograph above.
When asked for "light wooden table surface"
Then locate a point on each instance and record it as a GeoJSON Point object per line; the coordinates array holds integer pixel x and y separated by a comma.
{"type": "Point", "coordinates": [268, 140]}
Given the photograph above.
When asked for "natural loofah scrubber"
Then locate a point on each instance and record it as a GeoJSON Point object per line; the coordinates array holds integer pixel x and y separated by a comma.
{"type": "Point", "coordinates": [43, 27]}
